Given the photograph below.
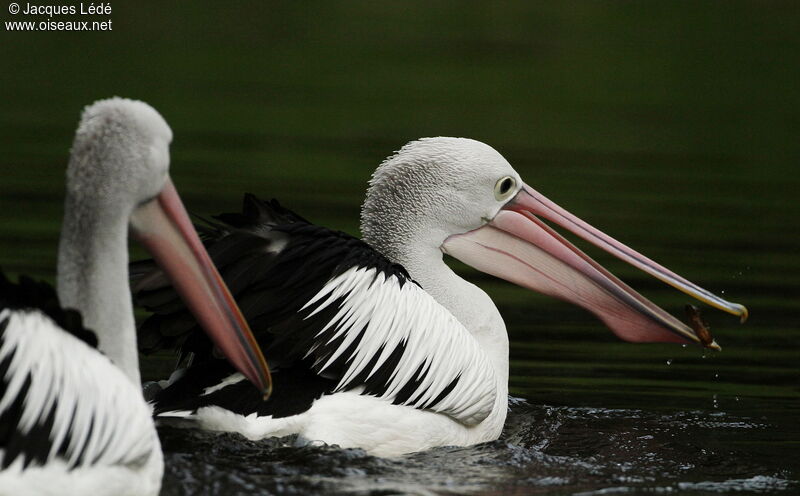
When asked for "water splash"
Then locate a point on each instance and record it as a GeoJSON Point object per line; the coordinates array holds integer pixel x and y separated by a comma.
{"type": "Point", "coordinates": [543, 449]}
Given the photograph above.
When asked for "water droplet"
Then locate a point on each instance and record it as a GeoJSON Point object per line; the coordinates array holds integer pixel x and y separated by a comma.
{"type": "Point", "coordinates": [684, 345]}
{"type": "Point", "coordinates": [736, 398]}
{"type": "Point", "coordinates": [669, 361]}
{"type": "Point", "coordinates": [722, 292]}
{"type": "Point", "coordinates": [715, 403]}
{"type": "Point", "coordinates": [716, 376]}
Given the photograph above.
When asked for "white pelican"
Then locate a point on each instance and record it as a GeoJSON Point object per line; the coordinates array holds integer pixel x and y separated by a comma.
{"type": "Point", "coordinates": [72, 417]}
{"type": "Point", "coordinates": [377, 343]}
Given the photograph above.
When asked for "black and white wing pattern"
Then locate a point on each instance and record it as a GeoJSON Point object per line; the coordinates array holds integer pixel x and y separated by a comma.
{"type": "Point", "coordinates": [328, 310]}
{"type": "Point", "coordinates": [60, 399]}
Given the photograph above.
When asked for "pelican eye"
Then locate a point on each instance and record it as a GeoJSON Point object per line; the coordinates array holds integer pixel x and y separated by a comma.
{"type": "Point", "coordinates": [504, 187]}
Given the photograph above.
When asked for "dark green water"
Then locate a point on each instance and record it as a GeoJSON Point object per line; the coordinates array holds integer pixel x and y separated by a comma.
{"type": "Point", "coordinates": [672, 126]}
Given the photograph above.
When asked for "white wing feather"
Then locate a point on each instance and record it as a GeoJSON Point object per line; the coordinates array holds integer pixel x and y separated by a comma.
{"type": "Point", "coordinates": [95, 404]}
{"type": "Point", "coordinates": [433, 339]}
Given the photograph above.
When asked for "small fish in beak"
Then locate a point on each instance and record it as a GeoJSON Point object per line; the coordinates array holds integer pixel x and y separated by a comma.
{"type": "Point", "coordinates": [700, 327]}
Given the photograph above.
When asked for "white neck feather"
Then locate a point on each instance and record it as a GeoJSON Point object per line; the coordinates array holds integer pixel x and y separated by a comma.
{"type": "Point", "coordinates": [93, 278]}
{"type": "Point", "coordinates": [467, 302]}
{"type": "Point", "coordinates": [119, 158]}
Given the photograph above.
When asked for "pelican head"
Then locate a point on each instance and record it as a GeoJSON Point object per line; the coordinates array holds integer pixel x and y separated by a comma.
{"type": "Point", "coordinates": [461, 197]}
{"type": "Point", "coordinates": [120, 155]}
{"type": "Point", "coordinates": [118, 179]}
{"type": "Point", "coordinates": [437, 187]}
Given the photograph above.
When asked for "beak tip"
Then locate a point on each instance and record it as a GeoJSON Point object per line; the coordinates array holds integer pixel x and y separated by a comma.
{"type": "Point", "coordinates": [743, 316]}
{"type": "Point", "coordinates": [714, 346]}
{"type": "Point", "coordinates": [264, 383]}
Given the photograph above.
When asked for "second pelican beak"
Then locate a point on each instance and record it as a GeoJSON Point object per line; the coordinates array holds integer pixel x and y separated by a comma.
{"type": "Point", "coordinates": [163, 227]}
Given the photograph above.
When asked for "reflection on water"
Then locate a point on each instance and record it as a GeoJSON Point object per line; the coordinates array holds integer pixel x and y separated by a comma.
{"type": "Point", "coordinates": [544, 449]}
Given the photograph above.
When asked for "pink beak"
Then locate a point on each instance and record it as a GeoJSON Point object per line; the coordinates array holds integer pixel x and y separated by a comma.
{"type": "Point", "coordinates": [163, 227]}
{"type": "Point", "coordinates": [519, 247]}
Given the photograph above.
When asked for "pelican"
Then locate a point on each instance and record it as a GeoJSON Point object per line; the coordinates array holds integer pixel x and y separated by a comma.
{"type": "Point", "coordinates": [73, 420]}
{"type": "Point", "coordinates": [376, 343]}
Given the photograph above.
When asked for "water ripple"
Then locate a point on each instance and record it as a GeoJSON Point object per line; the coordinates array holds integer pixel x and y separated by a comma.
{"type": "Point", "coordinates": [544, 449]}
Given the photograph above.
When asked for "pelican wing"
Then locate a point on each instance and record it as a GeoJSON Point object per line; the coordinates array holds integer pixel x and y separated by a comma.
{"type": "Point", "coordinates": [60, 399]}
{"type": "Point", "coordinates": [325, 307]}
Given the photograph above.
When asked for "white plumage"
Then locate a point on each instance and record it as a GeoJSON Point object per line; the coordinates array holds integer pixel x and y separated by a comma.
{"type": "Point", "coordinates": [390, 314]}
{"type": "Point", "coordinates": [103, 440]}
{"type": "Point", "coordinates": [407, 315]}
{"type": "Point", "coordinates": [88, 393]}
{"type": "Point", "coordinates": [74, 418]}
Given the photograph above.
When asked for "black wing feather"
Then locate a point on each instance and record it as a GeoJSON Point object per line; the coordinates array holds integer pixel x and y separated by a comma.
{"type": "Point", "coordinates": [28, 294]}
{"type": "Point", "coordinates": [34, 445]}
{"type": "Point", "coordinates": [273, 261]}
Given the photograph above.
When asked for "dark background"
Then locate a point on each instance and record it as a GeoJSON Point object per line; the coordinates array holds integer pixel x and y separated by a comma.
{"type": "Point", "coordinates": [672, 126]}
